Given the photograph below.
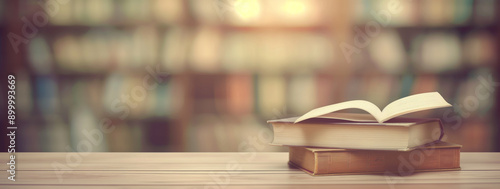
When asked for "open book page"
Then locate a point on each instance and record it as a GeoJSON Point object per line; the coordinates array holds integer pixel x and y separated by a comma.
{"type": "Point", "coordinates": [354, 117]}
{"type": "Point", "coordinates": [359, 104]}
{"type": "Point", "coordinates": [413, 103]}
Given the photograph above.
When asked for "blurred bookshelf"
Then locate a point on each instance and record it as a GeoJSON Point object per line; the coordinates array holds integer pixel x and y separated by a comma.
{"type": "Point", "coordinates": [227, 68]}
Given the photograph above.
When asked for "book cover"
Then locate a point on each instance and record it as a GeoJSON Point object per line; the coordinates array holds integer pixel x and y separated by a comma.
{"type": "Point", "coordinates": [437, 156]}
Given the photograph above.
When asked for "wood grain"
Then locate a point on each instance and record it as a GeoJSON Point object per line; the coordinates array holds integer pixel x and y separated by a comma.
{"type": "Point", "coordinates": [221, 170]}
{"type": "Point", "coordinates": [317, 186]}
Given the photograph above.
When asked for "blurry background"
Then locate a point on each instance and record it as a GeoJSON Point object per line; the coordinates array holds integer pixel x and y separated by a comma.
{"type": "Point", "coordinates": [216, 70]}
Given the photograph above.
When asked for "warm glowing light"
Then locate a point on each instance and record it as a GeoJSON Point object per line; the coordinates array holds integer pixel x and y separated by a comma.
{"type": "Point", "coordinates": [247, 9]}
{"type": "Point", "coordinates": [295, 7]}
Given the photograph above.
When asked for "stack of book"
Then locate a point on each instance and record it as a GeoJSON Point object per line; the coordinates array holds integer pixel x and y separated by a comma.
{"type": "Point", "coordinates": [322, 142]}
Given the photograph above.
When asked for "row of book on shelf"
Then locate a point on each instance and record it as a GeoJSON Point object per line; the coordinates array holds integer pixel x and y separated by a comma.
{"type": "Point", "coordinates": [81, 97]}
{"type": "Point", "coordinates": [262, 12]}
{"type": "Point", "coordinates": [102, 12]}
{"type": "Point", "coordinates": [59, 134]}
{"type": "Point", "coordinates": [117, 95]}
{"type": "Point", "coordinates": [428, 12]}
{"type": "Point", "coordinates": [205, 49]}
{"type": "Point", "coordinates": [205, 132]}
{"type": "Point", "coordinates": [208, 50]}
{"type": "Point", "coordinates": [239, 94]}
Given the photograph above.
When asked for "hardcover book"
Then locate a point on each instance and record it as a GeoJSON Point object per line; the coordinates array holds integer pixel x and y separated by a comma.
{"type": "Point", "coordinates": [437, 156]}
{"type": "Point", "coordinates": [379, 130]}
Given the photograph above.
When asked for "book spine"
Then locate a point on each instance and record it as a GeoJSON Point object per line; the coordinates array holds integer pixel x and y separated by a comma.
{"type": "Point", "coordinates": [303, 158]}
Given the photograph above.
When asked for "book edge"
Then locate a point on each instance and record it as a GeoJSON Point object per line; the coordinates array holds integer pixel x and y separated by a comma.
{"type": "Point", "coordinates": [366, 173]}
{"type": "Point", "coordinates": [432, 145]}
{"type": "Point", "coordinates": [417, 121]}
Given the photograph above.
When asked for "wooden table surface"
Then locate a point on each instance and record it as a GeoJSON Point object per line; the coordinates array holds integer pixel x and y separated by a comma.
{"type": "Point", "coordinates": [221, 170]}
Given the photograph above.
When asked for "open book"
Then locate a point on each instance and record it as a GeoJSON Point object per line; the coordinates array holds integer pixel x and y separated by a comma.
{"type": "Point", "coordinates": [409, 104]}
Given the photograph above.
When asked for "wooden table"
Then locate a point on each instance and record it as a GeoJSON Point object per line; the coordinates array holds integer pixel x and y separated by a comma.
{"type": "Point", "coordinates": [220, 170]}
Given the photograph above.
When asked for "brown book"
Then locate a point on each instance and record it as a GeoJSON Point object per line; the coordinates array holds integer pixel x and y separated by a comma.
{"type": "Point", "coordinates": [439, 156]}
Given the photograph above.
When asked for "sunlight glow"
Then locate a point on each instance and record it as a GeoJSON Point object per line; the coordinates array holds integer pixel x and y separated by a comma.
{"type": "Point", "coordinates": [247, 9]}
